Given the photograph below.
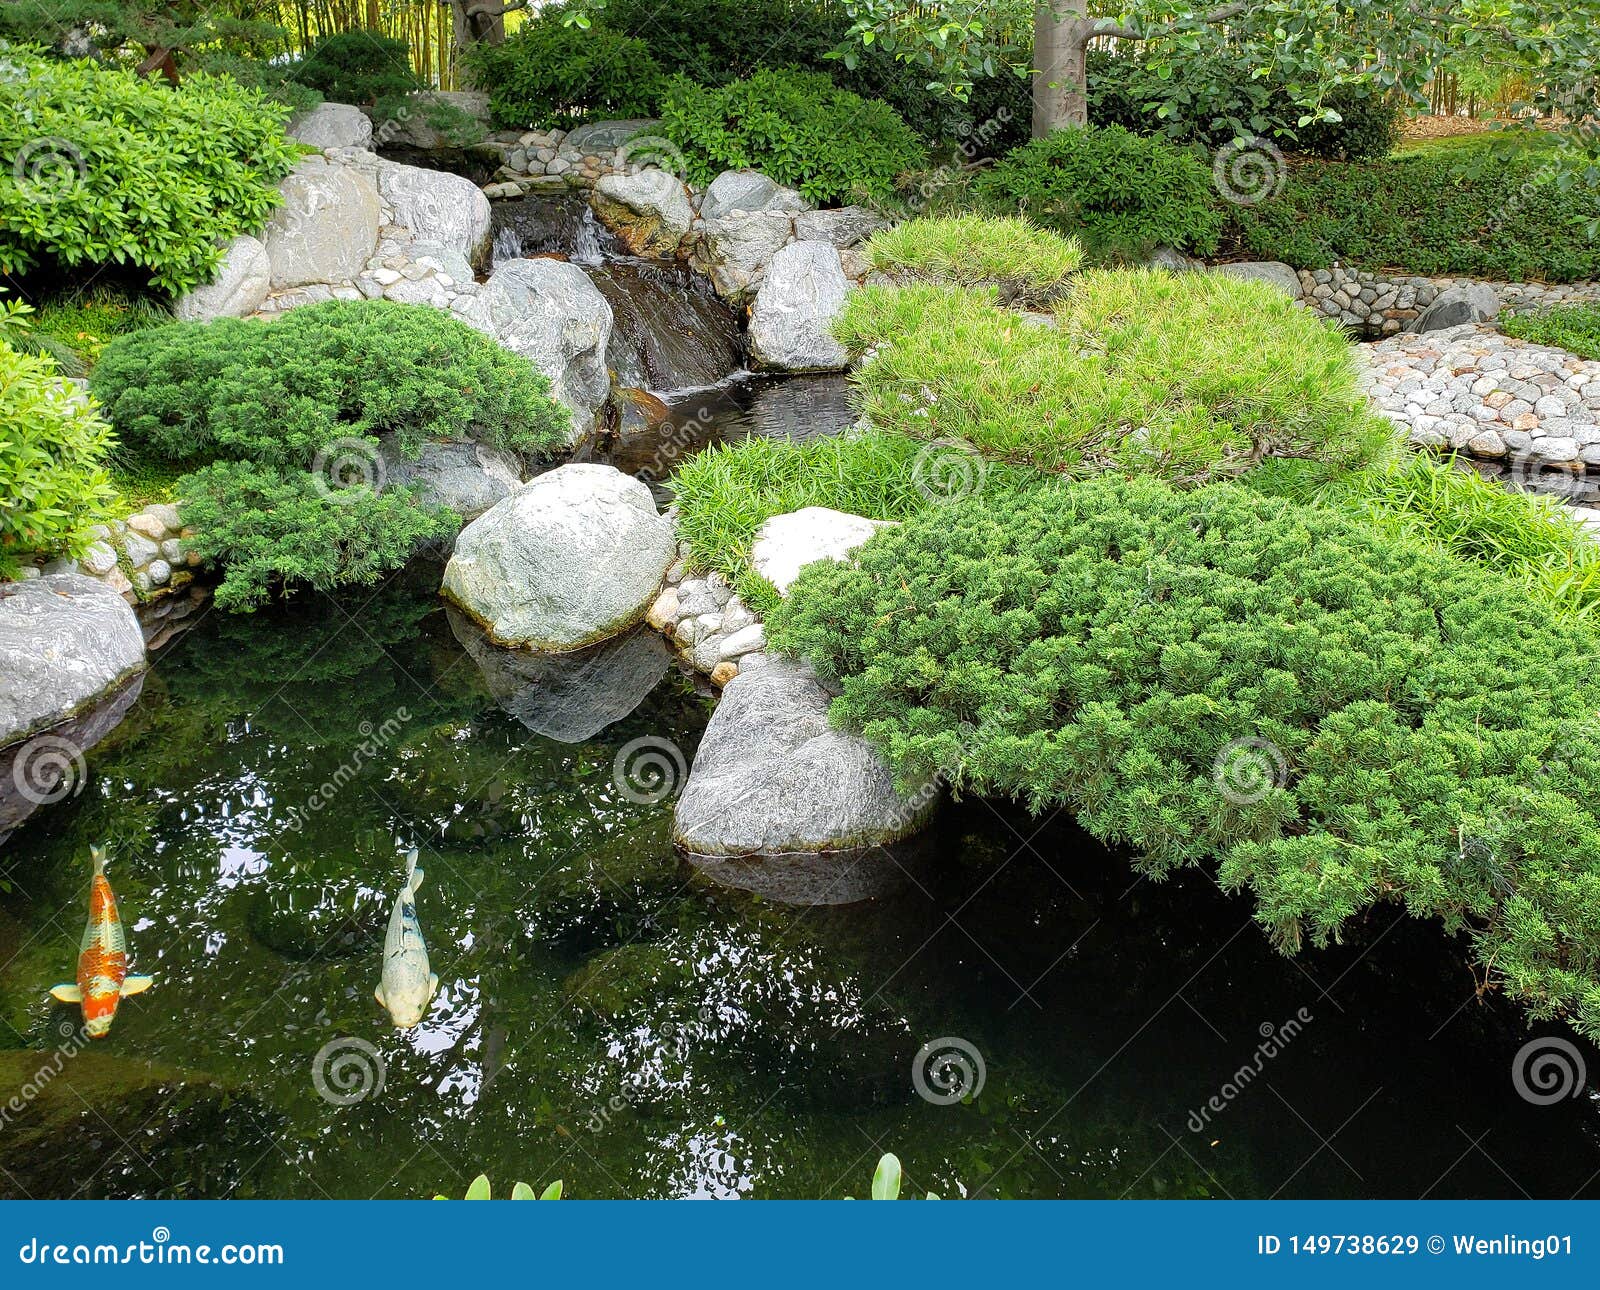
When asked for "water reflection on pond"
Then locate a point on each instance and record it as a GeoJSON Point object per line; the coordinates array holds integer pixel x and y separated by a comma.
{"type": "Point", "coordinates": [616, 1017]}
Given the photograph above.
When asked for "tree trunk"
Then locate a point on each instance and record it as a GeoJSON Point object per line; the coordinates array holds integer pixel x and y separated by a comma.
{"type": "Point", "coordinates": [159, 59]}
{"type": "Point", "coordinates": [374, 17]}
{"type": "Point", "coordinates": [1060, 65]}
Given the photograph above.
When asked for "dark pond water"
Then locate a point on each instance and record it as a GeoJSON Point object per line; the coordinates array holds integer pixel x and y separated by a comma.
{"type": "Point", "coordinates": [610, 1015]}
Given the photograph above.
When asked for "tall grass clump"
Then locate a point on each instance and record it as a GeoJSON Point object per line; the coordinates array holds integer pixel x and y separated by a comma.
{"type": "Point", "coordinates": [1026, 264]}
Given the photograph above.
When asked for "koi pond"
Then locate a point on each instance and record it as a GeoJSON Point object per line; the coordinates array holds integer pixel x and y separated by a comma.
{"type": "Point", "coordinates": [1006, 1008]}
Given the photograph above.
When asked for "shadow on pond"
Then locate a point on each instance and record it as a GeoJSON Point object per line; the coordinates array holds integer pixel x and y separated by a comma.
{"type": "Point", "coordinates": [610, 1014]}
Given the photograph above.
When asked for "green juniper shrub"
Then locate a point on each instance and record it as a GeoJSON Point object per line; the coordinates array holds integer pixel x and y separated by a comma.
{"type": "Point", "coordinates": [104, 167]}
{"type": "Point", "coordinates": [1575, 328]}
{"type": "Point", "coordinates": [549, 74]}
{"type": "Point", "coordinates": [1426, 213]}
{"type": "Point", "coordinates": [1123, 194]}
{"type": "Point", "coordinates": [358, 66]}
{"type": "Point", "coordinates": [1193, 376]}
{"type": "Point", "coordinates": [268, 527]}
{"type": "Point", "coordinates": [797, 127]}
{"type": "Point", "coordinates": [1026, 264]}
{"type": "Point", "coordinates": [1339, 716]}
{"type": "Point", "coordinates": [269, 416]}
{"type": "Point", "coordinates": [53, 446]}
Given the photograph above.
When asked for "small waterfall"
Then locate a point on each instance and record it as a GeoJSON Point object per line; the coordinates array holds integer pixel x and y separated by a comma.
{"type": "Point", "coordinates": [667, 334]}
{"type": "Point", "coordinates": [507, 246]}
{"type": "Point", "coordinates": [586, 246]}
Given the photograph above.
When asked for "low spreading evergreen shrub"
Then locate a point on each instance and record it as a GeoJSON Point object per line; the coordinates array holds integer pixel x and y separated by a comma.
{"type": "Point", "coordinates": [1338, 716]}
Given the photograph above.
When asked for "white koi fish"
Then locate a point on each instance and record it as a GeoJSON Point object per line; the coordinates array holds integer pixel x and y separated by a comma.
{"type": "Point", "coordinates": [407, 986]}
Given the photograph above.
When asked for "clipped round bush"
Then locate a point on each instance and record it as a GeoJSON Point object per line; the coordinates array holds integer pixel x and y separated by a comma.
{"type": "Point", "coordinates": [278, 421]}
{"type": "Point", "coordinates": [549, 74]}
{"type": "Point", "coordinates": [99, 166]}
{"type": "Point", "coordinates": [358, 66]}
{"type": "Point", "coordinates": [798, 127]}
{"type": "Point", "coordinates": [52, 446]}
{"type": "Point", "coordinates": [1339, 716]}
{"type": "Point", "coordinates": [1123, 194]}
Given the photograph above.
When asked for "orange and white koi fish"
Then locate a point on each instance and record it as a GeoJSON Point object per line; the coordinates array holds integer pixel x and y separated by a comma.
{"type": "Point", "coordinates": [103, 977]}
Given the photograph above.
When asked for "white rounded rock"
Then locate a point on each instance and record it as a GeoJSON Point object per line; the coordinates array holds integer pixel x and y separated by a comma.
{"type": "Point", "coordinates": [785, 544]}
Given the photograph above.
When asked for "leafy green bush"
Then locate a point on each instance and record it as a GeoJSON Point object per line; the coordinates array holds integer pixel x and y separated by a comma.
{"type": "Point", "coordinates": [1219, 98]}
{"type": "Point", "coordinates": [549, 74]}
{"type": "Point", "coordinates": [1122, 193]}
{"type": "Point", "coordinates": [358, 66]}
{"type": "Point", "coordinates": [1193, 376]}
{"type": "Point", "coordinates": [1368, 127]}
{"type": "Point", "coordinates": [280, 423]}
{"type": "Point", "coordinates": [52, 446]}
{"type": "Point", "coordinates": [713, 42]}
{"type": "Point", "coordinates": [1574, 328]}
{"type": "Point", "coordinates": [797, 127]}
{"type": "Point", "coordinates": [1426, 214]}
{"type": "Point", "coordinates": [1024, 263]}
{"type": "Point", "coordinates": [104, 167]}
{"type": "Point", "coordinates": [1338, 716]}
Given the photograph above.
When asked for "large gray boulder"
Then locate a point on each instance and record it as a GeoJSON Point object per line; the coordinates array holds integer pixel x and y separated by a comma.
{"type": "Point", "coordinates": [748, 190]}
{"type": "Point", "coordinates": [333, 125]}
{"type": "Point", "coordinates": [549, 312]}
{"type": "Point", "coordinates": [785, 544]}
{"type": "Point", "coordinates": [568, 697]}
{"type": "Point", "coordinates": [733, 250]}
{"type": "Point", "coordinates": [238, 287]}
{"type": "Point", "coordinates": [571, 558]}
{"type": "Point", "coordinates": [1272, 272]}
{"type": "Point", "coordinates": [437, 207]}
{"type": "Point", "coordinates": [803, 292]}
{"type": "Point", "coordinates": [1456, 306]}
{"type": "Point", "coordinates": [649, 210]}
{"type": "Point", "coordinates": [65, 640]}
{"type": "Point", "coordinates": [843, 228]}
{"type": "Point", "coordinates": [603, 136]}
{"type": "Point", "coordinates": [771, 777]}
{"type": "Point", "coordinates": [327, 227]}
{"type": "Point", "coordinates": [469, 478]}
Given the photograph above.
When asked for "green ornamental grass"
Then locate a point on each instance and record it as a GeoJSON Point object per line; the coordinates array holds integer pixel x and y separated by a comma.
{"type": "Point", "coordinates": [1024, 263]}
{"type": "Point", "coordinates": [1574, 328]}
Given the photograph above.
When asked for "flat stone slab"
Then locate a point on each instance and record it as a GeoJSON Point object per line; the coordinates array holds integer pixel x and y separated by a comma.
{"type": "Point", "coordinates": [785, 544]}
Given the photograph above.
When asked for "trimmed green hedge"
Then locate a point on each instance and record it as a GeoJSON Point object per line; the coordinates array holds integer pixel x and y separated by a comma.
{"type": "Point", "coordinates": [102, 167]}
{"type": "Point", "coordinates": [1339, 716]}
{"type": "Point", "coordinates": [1425, 215]}
{"type": "Point", "coordinates": [797, 127]}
